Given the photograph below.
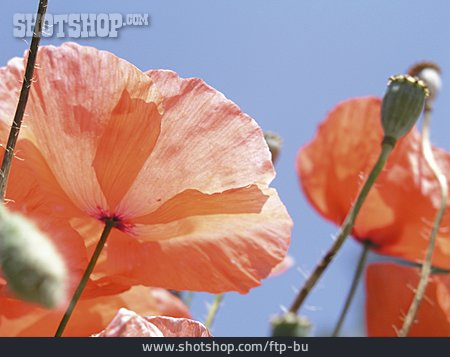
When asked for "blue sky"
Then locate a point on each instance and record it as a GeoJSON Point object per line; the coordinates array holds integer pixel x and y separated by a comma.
{"type": "Point", "coordinates": [285, 63]}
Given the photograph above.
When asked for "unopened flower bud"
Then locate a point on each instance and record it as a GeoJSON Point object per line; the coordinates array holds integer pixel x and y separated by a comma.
{"type": "Point", "coordinates": [430, 74]}
{"type": "Point", "coordinates": [290, 324]}
{"type": "Point", "coordinates": [274, 142]}
{"type": "Point", "coordinates": [402, 105]}
{"type": "Point", "coordinates": [30, 263]}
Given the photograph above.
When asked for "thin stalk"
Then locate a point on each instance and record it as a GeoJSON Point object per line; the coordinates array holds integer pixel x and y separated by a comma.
{"type": "Point", "coordinates": [77, 294]}
{"type": "Point", "coordinates": [355, 282]}
{"type": "Point", "coordinates": [213, 310]}
{"type": "Point", "coordinates": [23, 98]}
{"type": "Point", "coordinates": [386, 148]}
{"type": "Point", "coordinates": [426, 267]}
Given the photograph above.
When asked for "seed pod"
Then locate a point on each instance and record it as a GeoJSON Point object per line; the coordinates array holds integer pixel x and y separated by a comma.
{"type": "Point", "coordinates": [402, 105]}
{"type": "Point", "coordinates": [31, 265]}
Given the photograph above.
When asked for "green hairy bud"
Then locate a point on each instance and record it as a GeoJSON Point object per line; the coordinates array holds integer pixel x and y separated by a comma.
{"type": "Point", "coordinates": [30, 263]}
{"type": "Point", "coordinates": [290, 324]}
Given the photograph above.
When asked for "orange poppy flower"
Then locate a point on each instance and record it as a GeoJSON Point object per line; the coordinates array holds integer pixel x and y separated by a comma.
{"type": "Point", "coordinates": [182, 171]}
{"type": "Point", "coordinates": [18, 318]}
{"type": "Point", "coordinates": [389, 292]}
{"type": "Point", "coordinates": [398, 212]}
{"type": "Point", "coordinates": [129, 324]}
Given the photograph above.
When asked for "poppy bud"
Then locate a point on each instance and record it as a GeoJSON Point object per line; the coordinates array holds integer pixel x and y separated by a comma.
{"type": "Point", "coordinates": [290, 324]}
{"type": "Point", "coordinates": [30, 263]}
{"type": "Point", "coordinates": [402, 105]}
{"type": "Point", "coordinates": [274, 142]}
{"type": "Point", "coordinates": [430, 74]}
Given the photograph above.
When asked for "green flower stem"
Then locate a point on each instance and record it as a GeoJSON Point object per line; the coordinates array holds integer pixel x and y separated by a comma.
{"type": "Point", "coordinates": [386, 148]}
{"type": "Point", "coordinates": [355, 282]}
{"type": "Point", "coordinates": [77, 294]}
{"type": "Point", "coordinates": [213, 310]}
{"type": "Point", "coordinates": [426, 267]}
{"type": "Point", "coordinates": [23, 98]}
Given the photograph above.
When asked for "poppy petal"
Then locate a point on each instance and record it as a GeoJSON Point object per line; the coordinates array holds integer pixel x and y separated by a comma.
{"type": "Point", "coordinates": [179, 327]}
{"type": "Point", "coordinates": [389, 292]}
{"type": "Point", "coordinates": [10, 85]}
{"type": "Point", "coordinates": [66, 118]}
{"type": "Point", "coordinates": [346, 145]}
{"type": "Point", "coordinates": [166, 304]}
{"type": "Point", "coordinates": [129, 324]}
{"type": "Point", "coordinates": [32, 187]}
{"type": "Point", "coordinates": [127, 141]}
{"type": "Point", "coordinates": [188, 203]}
{"type": "Point", "coordinates": [206, 144]}
{"type": "Point", "coordinates": [220, 259]}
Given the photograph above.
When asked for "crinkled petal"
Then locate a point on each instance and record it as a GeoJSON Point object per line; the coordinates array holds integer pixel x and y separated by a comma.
{"type": "Point", "coordinates": [129, 324]}
{"type": "Point", "coordinates": [206, 144]}
{"type": "Point", "coordinates": [179, 327]}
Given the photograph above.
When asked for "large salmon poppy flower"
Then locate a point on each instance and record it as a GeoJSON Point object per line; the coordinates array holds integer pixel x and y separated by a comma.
{"type": "Point", "coordinates": [182, 172]}
{"type": "Point", "coordinates": [398, 212]}
{"type": "Point", "coordinates": [20, 319]}
{"type": "Point", "coordinates": [389, 292]}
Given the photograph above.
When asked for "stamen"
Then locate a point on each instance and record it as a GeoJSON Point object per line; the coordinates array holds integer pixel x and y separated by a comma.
{"type": "Point", "coordinates": [118, 221]}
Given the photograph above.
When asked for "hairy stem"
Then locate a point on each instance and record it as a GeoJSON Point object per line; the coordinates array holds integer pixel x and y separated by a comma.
{"type": "Point", "coordinates": [213, 310]}
{"type": "Point", "coordinates": [23, 98]}
{"type": "Point", "coordinates": [426, 267]}
{"type": "Point", "coordinates": [77, 294]}
{"type": "Point", "coordinates": [346, 227]}
{"type": "Point", "coordinates": [355, 282]}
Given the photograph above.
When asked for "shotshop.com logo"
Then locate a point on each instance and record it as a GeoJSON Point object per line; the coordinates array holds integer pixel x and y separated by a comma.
{"type": "Point", "coordinates": [77, 25]}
